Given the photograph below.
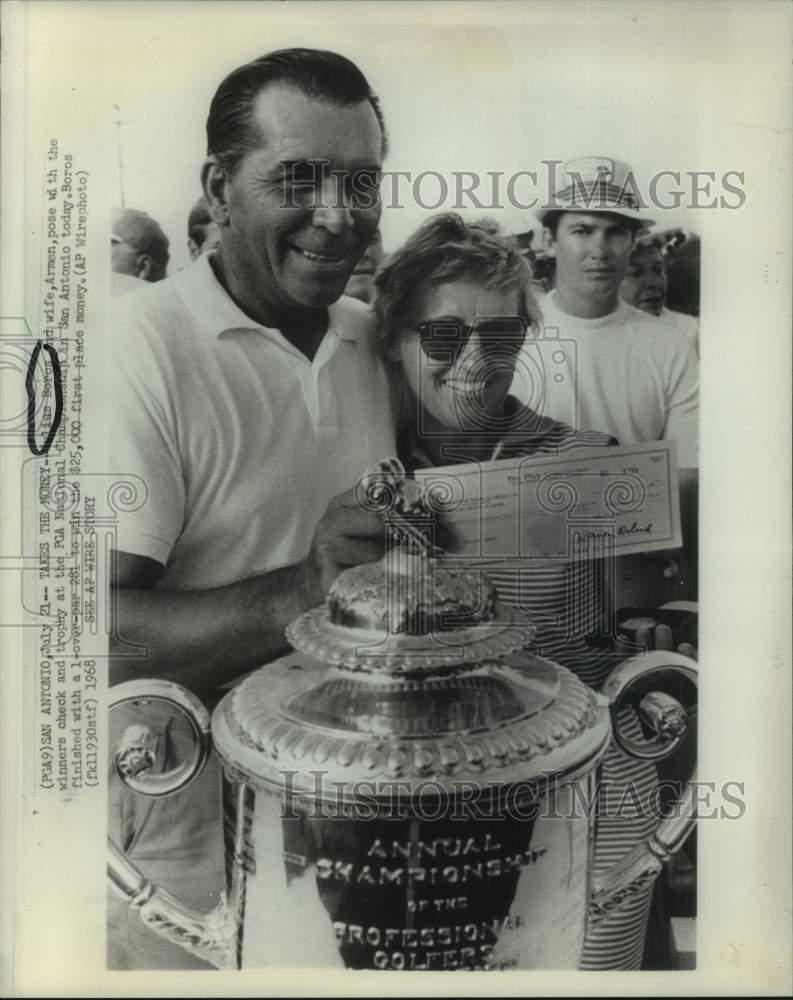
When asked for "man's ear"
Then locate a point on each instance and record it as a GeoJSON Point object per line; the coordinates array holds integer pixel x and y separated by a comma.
{"type": "Point", "coordinates": [193, 248]}
{"type": "Point", "coordinates": [145, 267]}
{"type": "Point", "coordinates": [548, 242]}
{"type": "Point", "coordinates": [213, 181]}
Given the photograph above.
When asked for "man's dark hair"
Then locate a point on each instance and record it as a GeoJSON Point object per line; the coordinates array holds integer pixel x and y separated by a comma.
{"type": "Point", "coordinates": [324, 75]}
{"type": "Point", "coordinates": [551, 221]}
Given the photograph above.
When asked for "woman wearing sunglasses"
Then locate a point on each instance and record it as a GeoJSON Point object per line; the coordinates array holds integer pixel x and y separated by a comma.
{"type": "Point", "coordinates": [454, 306]}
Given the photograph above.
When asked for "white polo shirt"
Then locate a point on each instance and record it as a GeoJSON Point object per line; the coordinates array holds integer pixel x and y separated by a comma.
{"type": "Point", "coordinates": [628, 374]}
{"type": "Point", "coordinates": [238, 440]}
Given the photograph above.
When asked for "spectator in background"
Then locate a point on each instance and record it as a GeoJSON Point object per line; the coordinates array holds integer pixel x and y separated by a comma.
{"type": "Point", "coordinates": [361, 283]}
{"type": "Point", "coordinates": [682, 277]}
{"type": "Point", "coordinates": [645, 284]}
{"type": "Point", "coordinates": [138, 249]}
{"type": "Point", "coordinates": [543, 267]}
{"type": "Point", "coordinates": [203, 233]}
{"type": "Point", "coordinates": [631, 375]}
{"type": "Point", "coordinates": [120, 284]}
{"type": "Point", "coordinates": [613, 368]}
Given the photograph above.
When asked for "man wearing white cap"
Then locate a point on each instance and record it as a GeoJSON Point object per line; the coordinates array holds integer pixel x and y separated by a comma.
{"type": "Point", "coordinates": [630, 374]}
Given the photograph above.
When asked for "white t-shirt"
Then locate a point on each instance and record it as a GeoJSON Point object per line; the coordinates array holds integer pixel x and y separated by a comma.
{"type": "Point", "coordinates": [628, 374]}
{"type": "Point", "coordinates": [238, 440]}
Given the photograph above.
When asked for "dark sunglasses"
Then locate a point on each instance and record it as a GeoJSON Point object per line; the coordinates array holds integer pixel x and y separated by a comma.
{"type": "Point", "coordinates": [442, 340]}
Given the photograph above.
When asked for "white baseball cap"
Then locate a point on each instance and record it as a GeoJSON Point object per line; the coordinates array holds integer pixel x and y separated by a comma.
{"type": "Point", "coordinates": [597, 184]}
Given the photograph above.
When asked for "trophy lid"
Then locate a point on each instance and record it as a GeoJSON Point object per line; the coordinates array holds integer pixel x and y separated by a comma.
{"type": "Point", "coordinates": [411, 671]}
{"type": "Point", "coordinates": [410, 613]}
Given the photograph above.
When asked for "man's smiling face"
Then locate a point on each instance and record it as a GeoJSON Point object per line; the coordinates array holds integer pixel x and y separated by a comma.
{"type": "Point", "coordinates": [295, 229]}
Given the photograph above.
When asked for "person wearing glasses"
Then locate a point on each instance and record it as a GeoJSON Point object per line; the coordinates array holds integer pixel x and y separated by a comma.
{"type": "Point", "coordinates": [454, 307]}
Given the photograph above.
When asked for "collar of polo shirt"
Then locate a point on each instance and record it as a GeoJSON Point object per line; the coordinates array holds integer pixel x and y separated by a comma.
{"type": "Point", "coordinates": [217, 313]}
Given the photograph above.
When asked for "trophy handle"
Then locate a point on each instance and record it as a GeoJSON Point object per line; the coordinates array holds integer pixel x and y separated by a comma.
{"type": "Point", "coordinates": [668, 720]}
{"type": "Point", "coordinates": [134, 757]}
{"type": "Point", "coordinates": [211, 936]}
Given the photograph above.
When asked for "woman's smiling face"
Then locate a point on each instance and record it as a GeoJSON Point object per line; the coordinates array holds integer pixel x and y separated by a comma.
{"type": "Point", "coordinates": [464, 392]}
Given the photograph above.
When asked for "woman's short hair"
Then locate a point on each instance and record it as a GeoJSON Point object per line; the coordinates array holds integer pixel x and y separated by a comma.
{"type": "Point", "coordinates": [447, 248]}
{"type": "Point", "coordinates": [323, 75]}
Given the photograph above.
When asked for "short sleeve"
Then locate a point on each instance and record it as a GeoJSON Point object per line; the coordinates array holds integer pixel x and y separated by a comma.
{"type": "Point", "coordinates": [143, 450]}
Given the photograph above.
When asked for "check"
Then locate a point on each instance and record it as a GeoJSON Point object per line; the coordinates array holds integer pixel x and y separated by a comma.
{"type": "Point", "coordinates": [598, 502]}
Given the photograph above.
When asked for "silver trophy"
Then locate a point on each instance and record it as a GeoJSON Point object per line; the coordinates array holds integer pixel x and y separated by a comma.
{"type": "Point", "coordinates": [412, 789]}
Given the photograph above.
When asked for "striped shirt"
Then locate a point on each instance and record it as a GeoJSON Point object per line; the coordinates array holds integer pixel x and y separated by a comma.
{"type": "Point", "coordinates": [569, 603]}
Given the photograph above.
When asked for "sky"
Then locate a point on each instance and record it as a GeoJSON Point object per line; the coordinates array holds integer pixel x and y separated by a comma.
{"type": "Point", "coordinates": [470, 93]}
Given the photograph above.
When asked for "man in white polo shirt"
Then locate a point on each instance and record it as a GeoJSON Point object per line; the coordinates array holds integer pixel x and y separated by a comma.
{"type": "Point", "coordinates": [247, 394]}
{"type": "Point", "coordinates": [247, 399]}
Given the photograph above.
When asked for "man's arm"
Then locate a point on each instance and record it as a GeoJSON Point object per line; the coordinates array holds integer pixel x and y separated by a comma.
{"type": "Point", "coordinates": [203, 638]}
